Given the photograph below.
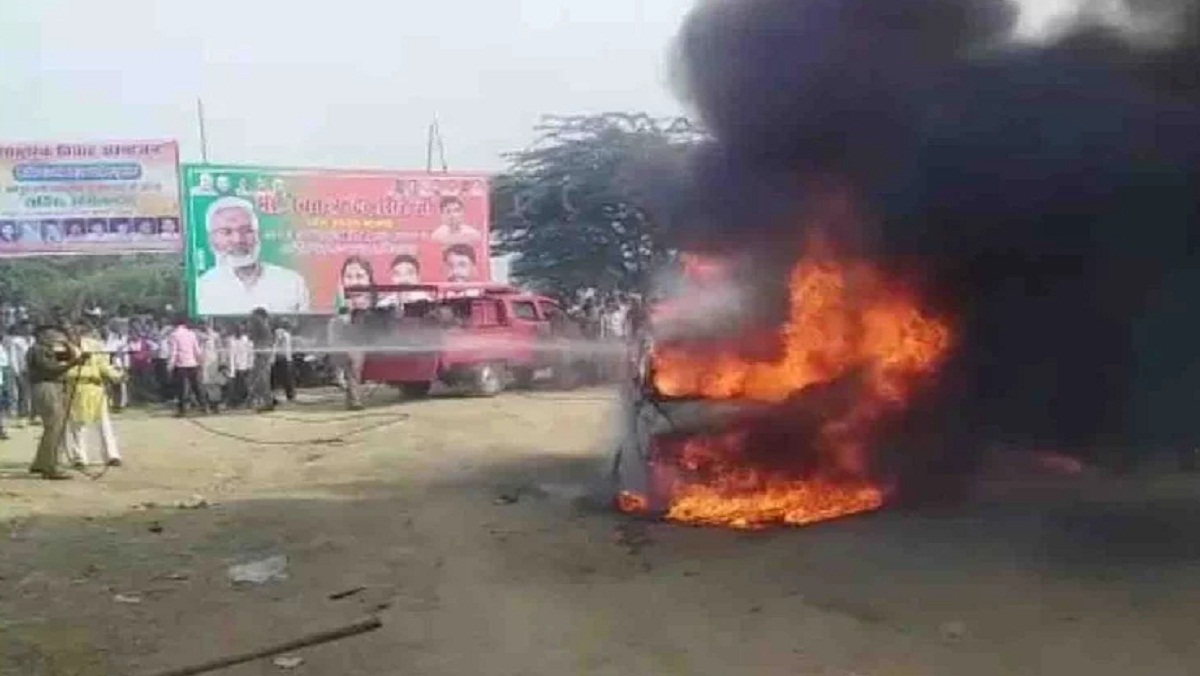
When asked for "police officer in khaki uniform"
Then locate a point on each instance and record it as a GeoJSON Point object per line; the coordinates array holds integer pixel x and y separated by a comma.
{"type": "Point", "coordinates": [49, 359]}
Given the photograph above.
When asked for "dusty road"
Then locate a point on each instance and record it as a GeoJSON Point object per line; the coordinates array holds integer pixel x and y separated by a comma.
{"type": "Point", "coordinates": [460, 523]}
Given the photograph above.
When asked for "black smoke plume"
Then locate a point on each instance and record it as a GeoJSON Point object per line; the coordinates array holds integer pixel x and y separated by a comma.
{"type": "Point", "coordinates": [1045, 194]}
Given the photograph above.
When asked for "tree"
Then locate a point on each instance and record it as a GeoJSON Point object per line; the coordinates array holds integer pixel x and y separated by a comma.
{"type": "Point", "coordinates": [588, 205]}
{"type": "Point", "coordinates": [73, 284]}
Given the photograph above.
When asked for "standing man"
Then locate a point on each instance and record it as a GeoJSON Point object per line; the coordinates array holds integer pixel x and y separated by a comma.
{"type": "Point", "coordinates": [283, 375]}
{"type": "Point", "coordinates": [6, 394]}
{"type": "Point", "coordinates": [17, 344]}
{"type": "Point", "coordinates": [263, 340]}
{"type": "Point", "coordinates": [212, 367]}
{"type": "Point", "coordinates": [241, 365]}
{"type": "Point", "coordinates": [49, 359]}
{"type": "Point", "coordinates": [184, 364]}
{"type": "Point", "coordinates": [336, 334]}
{"type": "Point", "coordinates": [89, 421]}
{"type": "Point", "coordinates": [142, 350]}
{"type": "Point", "coordinates": [117, 347]}
{"type": "Point", "coordinates": [614, 322]}
{"type": "Point", "coordinates": [162, 357]}
{"type": "Point", "coordinates": [352, 359]}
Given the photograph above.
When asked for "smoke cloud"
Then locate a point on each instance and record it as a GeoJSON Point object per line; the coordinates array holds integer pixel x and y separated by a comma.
{"type": "Point", "coordinates": [1044, 195]}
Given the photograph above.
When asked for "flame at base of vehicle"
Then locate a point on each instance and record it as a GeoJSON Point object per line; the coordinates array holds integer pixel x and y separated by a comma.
{"type": "Point", "coordinates": [710, 480]}
{"type": "Point", "coordinates": [768, 503]}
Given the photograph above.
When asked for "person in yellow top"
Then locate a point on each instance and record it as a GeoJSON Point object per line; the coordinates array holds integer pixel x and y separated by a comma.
{"type": "Point", "coordinates": [88, 416]}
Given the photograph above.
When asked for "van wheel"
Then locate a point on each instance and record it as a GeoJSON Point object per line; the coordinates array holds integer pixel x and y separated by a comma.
{"type": "Point", "coordinates": [416, 390]}
{"type": "Point", "coordinates": [488, 380]}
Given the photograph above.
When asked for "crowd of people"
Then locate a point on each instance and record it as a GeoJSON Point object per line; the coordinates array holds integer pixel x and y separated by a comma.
{"type": "Point", "coordinates": [606, 316]}
{"type": "Point", "coordinates": [68, 376]}
{"type": "Point", "coordinates": [152, 352]}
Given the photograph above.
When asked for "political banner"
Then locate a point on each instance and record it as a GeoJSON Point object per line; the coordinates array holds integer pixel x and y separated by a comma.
{"type": "Point", "coordinates": [292, 240]}
{"type": "Point", "coordinates": [112, 197]}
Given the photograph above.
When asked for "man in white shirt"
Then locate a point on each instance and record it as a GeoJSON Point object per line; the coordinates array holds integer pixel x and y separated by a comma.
{"type": "Point", "coordinates": [283, 376]}
{"type": "Point", "coordinates": [213, 367]}
{"type": "Point", "coordinates": [241, 282]}
{"type": "Point", "coordinates": [5, 380]}
{"type": "Point", "coordinates": [336, 334]}
{"type": "Point", "coordinates": [117, 347]}
{"type": "Point", "coordinates": [162, 358]}
{"type": "Point", "coordinates": [16, 345]}
{"type": "Point", "coordinates": [454, 229]}
{"type": "Point", "coordinates": [241, 362]}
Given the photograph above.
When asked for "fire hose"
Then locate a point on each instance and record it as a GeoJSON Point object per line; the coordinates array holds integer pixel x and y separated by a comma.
{"type": "Point", "coordinates": [335, 439]}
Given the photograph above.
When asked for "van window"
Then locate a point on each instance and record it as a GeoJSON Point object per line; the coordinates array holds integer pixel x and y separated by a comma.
{"type": "Point", "coordinates": [524, 309]}
{"type": "Point", "coordinates": [484, 312]}
{"type": "Point", "coordinates": [550, 310]}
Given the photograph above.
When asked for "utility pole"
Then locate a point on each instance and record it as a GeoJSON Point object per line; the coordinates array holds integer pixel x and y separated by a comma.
{"type": "Point", "coordinates": [435, 137]}
{"type": "Point", "coordinates": [203, 133]}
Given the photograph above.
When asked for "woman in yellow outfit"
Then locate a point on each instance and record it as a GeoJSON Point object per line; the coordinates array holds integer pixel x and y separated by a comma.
{"type": "Point", "coordinates": [89, 420]}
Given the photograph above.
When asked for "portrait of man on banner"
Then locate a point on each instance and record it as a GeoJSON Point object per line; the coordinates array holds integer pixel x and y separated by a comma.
{"type": "Point", "coordinates": [241, 281]}
{"type": "Point", "coordinates": [454, 228]}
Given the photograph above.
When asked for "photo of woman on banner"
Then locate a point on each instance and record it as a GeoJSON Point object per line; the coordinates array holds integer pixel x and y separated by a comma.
{"type": "Point", "coordinates": [9, 231]}
{"type": "Point", "coordinates": [356, 271]}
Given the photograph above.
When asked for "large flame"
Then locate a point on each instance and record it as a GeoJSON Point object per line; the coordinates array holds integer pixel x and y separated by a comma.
{"type": "Point", "coordinates": [846, 320]}
{"type": "Point", "coordinates": [711, 482]}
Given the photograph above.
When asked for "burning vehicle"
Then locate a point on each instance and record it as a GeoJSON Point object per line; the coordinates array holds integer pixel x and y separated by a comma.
{"type": "Point", "coordinates": [945, 236]}
{"type": "Point", "coordinates": [717, 434]}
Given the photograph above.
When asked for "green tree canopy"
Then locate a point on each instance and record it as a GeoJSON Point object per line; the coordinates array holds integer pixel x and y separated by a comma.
{"type": "Point", "coordinates": [75, 283]}
{"type": "Point", "coordinates": [586, 205]}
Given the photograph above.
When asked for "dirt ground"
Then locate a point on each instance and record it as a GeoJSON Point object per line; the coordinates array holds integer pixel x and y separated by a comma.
{"type": "Point", "coordinates": [462, 522]}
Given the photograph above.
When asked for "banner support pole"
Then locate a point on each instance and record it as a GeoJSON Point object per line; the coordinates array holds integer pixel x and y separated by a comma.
{"type": "Point", "coordinates": [203, 133]}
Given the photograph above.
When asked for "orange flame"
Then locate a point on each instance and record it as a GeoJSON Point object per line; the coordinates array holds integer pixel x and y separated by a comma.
{"type": "Point", "coordinates": [632, 503]}
{"type": "Point", "coordinates": [845, 319]}
{"type": "Point", "coordinates": [711, 484]}
{"type": "Point", "coordinates": [842, 317]}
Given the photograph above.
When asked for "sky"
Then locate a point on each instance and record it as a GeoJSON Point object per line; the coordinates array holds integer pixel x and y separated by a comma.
{"type": "Point", "coordinates": [349, 83]}
{"type": "Point", "coordinates": [343, 83]}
